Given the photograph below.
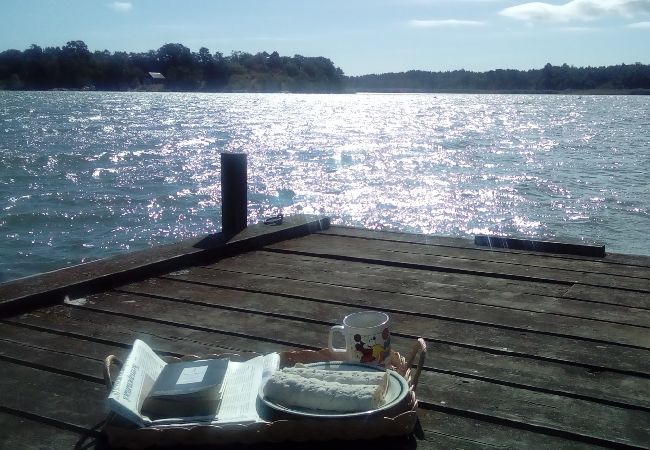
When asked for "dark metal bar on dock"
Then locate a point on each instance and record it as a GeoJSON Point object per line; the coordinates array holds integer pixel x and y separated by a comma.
{"type": "Point", "coordinates": [540, 245]}
{"type": "Point", "coordinates": [234, 199]}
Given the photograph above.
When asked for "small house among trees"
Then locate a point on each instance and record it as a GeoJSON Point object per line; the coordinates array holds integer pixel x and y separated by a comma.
{"type": "Point", "coordinates": [155, 78]}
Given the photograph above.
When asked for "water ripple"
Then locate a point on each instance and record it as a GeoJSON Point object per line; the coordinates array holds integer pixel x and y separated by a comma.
{"type": "Point", "coordinates": [87, 175]}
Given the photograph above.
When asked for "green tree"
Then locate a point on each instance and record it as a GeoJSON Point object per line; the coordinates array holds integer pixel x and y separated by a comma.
{"type": "Point", "coordinates": [76, 65]}
{"type": "Point", "coordinates": [179, 66]}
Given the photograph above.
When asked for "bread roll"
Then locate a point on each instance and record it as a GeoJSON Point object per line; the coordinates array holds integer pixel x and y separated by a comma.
{"type": "Point", "coordinates": [311, 390]}
{"type": "Point", "coordinates": [339, 376]}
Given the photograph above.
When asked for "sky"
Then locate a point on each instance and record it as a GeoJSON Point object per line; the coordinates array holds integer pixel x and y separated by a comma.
{"type": "Point", "coordinates": [359, 36]}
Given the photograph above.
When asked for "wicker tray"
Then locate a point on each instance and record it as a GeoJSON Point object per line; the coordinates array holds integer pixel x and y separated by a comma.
{"type": "Point", "coordinates": [397, 421]}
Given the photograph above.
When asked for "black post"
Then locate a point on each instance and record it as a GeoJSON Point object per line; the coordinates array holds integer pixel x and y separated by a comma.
{"type": "Point", "coordinates": [234, 189]}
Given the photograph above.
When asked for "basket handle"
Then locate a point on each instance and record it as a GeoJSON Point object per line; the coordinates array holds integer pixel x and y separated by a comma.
{"type": "Point", "coordinates": [419, 347]}
{"type": "Point", "coordinates": [108, 362]}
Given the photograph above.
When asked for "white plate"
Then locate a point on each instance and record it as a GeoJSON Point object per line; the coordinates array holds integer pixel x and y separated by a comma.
{"type": "Point", "coordinates": [398, 388]}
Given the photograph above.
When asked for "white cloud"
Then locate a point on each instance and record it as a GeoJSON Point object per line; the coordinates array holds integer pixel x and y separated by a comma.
{"type": "Point", "coordinates": [640, 25]}
{"type": "Point", "coordinates": [581, 10]}
{"type": "Point", "coordinates": [447, 23]}
{"type": "Point", "coordinates": [438, 2]}
{"type": "Point", "coordinates": [580, 29]}
{"type": "Point", "coordinates": [122, 7]}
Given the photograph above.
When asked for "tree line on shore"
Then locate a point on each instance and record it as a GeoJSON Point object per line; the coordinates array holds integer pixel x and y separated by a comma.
{"type": "Point", "coordinates": [74, 66]}
{"type": "Point", "coordinates": [627, 77]}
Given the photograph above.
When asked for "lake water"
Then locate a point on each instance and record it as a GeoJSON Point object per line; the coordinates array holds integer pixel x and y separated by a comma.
{"type": "Point", "coordinates": [87, 174]}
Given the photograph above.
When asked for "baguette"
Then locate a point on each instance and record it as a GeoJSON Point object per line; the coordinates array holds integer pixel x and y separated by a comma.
{"type": "Point", "coordinates": [292, 389]}
{"type": "Point", "coordinates": [339, 376]}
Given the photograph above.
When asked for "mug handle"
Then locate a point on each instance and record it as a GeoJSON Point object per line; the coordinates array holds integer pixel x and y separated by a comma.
{"type": "Point", "coordinates": [336, 329]}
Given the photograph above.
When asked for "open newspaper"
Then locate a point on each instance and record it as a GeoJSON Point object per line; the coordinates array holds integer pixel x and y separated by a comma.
{"type": "Point", "coordinates": [239, 392]}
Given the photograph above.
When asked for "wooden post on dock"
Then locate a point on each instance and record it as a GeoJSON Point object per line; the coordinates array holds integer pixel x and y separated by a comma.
{"type": "Point", "coordinates": [234, 187]}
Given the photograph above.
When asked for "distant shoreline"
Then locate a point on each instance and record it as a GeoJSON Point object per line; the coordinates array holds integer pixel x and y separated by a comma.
{"type": "Point", "coordinates": [175, 68]}
{"type": "Point", "coordinates": [368, 91]}
{"type": "Point", "coordinates": [511, 91]}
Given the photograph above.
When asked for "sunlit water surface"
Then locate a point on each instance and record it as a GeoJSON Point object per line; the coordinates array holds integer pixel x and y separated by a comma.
{"type": "Point", "coordinates": [86, 175]}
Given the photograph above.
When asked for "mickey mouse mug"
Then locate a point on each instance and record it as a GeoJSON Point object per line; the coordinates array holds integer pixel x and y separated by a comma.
{"type": "Point", "coordinates": [367, 337]}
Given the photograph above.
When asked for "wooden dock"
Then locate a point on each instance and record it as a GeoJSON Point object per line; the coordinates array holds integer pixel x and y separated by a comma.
{"type": "Point", "coordinates": [526, 349]}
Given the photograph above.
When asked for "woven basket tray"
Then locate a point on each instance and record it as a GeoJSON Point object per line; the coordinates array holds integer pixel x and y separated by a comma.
{"type": "Point", "coordinates": [397, 421]}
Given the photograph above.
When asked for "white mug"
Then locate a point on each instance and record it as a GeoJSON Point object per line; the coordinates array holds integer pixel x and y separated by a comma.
{"type": "Point", "coordinates": [367, 337]}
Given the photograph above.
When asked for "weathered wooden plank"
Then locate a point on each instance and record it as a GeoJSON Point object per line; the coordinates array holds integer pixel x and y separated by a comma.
{"type": "Point", "coordinates": [56, 342]}
{"type": "Point", "coordinates": [611, 263]}
{"type": "Point", "coordinates": [582, 267]}
{"type": "Point", "coordinates": [439, 428]}
{"type": "Point", "coordinates": [297, 263]}
{"type": "Point", "coordinates": [539, 417]}
{"type": "Point", "coordinates": [545, 376]}
{"type": "Point", "coordinates": [440, 431]}
{"type": "Point", "coordinates": [381, 253]}
{"type": "Point", "coordinates": [65, 364]}
{"type": "Point", "coordinates": [446, 431]}
{"type": "Point", "coordinates": [593, 294]}
{"type": "Point", "coordinates": [20, 433]}
{"type": "Point", "coordinates": [441, 437]}
{"type": "Point", "coordinates": [511, 406]}
{"type": "Point", "coordinates": [551, 412]}
{"type": "Point", "coordinates": [420, 283]}
{"type": "Point", "coordinates": [605, 385]}
{"type": "Point", "coordinates": [507, 409]}
{"type": "Point", "coordinates": [468, 243]}
{"type": "Point", "coordinates": [72, 403]}
{"type": "Point", "coordinates": [52, 287]}
{"type": "Point", "coordinates": [120, 332]}
{"type": "Point", "coordinates": [563, 378]}
{"type": "Point", "coordinates": [520, 343]}
{"type": "Point", "coordinates": [398, 236]}
{"type": "Point", "coordinates": [261, 327]}
{"type": "Point", "coordinates": [634, 299]}
{"type": "Point", "coordinates": [430, 308]}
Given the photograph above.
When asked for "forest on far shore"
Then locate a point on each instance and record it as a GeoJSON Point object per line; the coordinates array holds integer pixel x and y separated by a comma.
{"type": "Point", "coordinates": [74, 66]}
